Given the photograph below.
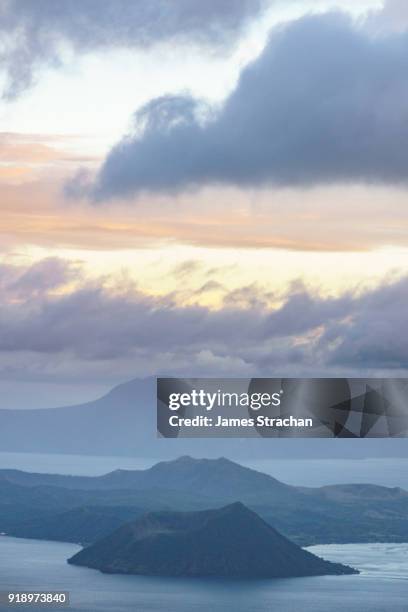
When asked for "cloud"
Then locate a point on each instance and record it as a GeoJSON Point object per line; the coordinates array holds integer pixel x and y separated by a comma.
{"type": "Point", "coordinates": [43, 277]}
{"type": "Point", "coordinates": [336, 218]}
{"type": "Point", "coordinates": [37, 149]}
{"type": "Point", "coordinates": [393, 16]}
{"type": "Point", "coordinates": [324, 103]}
{"type": "Point", "coordinates": [374, 336]}
{"type": "Point", "coordinates": [186, 268]}
{"type": "Point", "coordinates": [19, 282]}
{"type": "Point", "coordinates": [37, 33]}
{"type": "Point", "coordinates": [98, 327]}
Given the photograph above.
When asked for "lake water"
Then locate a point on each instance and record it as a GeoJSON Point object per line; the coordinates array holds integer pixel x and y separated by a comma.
{"type": "Point", "coordinates": [390, 472]}
{"type": "Point", "coordinates": [382, 586]}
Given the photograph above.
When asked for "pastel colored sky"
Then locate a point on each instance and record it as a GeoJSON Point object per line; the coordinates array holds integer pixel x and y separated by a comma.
{"type": "Point", "coordinates": [216, 188]}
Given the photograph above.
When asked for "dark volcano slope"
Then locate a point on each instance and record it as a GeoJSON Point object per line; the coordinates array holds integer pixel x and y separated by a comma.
{"type": "Point", "coordinates": [231, 542]}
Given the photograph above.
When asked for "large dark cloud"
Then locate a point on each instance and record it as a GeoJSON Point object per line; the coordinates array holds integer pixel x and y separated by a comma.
{"type": "Point", "coordinates": [88, 323]}
{"type": "Point", "coordinates": [33, 31]}
{"type": "Point", "coordinates": [375, 334]}
{"type": "Point", "coordinates": [325, 102]}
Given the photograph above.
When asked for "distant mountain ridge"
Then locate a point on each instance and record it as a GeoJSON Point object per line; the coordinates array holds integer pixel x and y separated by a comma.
{"type": "Point", "coordinates": [120, 422]}
{"type": "Point", "coordinates": [52, 506]}
{"type": "Point", "coordinates": [123, 422]}
{"type": "Point", "coordinates": [232, 541]}
{"type": "Point", "coordinates": [213, 477]}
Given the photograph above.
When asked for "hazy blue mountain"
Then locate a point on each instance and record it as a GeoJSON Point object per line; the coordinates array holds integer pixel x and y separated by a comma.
{"type": "Point", "coordinates": [219, 478]}
{"type": "Point", "coordinates": [81, 525]}
{"type": "Point", "coordinates": [335, 514]}
{"type": "Point", "coordinates": [231, 541]}
{"type": "Point", "coordinates": [123, 422]}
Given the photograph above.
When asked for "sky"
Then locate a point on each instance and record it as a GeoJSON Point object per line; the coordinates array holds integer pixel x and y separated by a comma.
{"type": "Point", "coordinates": [201, 189]}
